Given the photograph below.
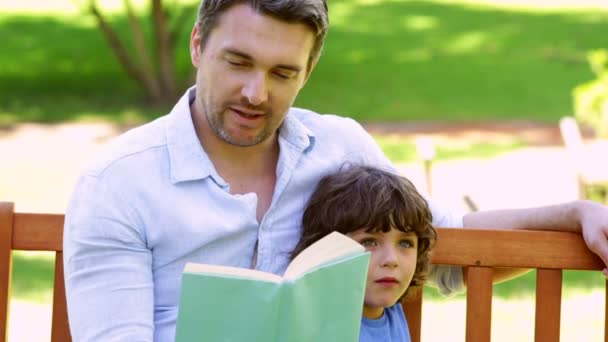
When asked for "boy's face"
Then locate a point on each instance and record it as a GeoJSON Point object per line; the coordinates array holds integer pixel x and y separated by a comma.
{"type": "Point", "coordinates": [391, 268]}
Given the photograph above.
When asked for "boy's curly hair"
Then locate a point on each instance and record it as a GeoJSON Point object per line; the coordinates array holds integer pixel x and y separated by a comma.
{"type": "Point", "coordinates": [360, 196]}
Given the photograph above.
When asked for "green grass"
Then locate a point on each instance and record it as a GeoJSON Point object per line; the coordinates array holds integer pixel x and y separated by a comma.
{"type": "Point", "coordinates": [33, 276]}
{"type": "Point", "coordinates": [440, 61]}
{"type": "Point", "coordinates": [402, 150]}
{"type": "Point", "coordinates": [384, 60]}
{"type": "Point", "coordinates": [574, 282]}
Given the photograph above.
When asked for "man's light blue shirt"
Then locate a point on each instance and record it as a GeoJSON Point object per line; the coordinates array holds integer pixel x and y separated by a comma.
{"type": "Point", "coordinates": [153, 201]}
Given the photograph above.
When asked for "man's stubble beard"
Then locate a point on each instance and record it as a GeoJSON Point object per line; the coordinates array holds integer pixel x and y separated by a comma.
{"type": "Point", "coordinates": [216, 121]}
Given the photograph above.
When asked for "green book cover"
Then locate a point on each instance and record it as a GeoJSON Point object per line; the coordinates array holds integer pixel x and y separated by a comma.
{"type": "Point", "coordinates": [319, 298]}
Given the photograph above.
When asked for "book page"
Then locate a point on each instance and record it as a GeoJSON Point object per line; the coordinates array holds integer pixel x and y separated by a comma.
{"type": "Point", "coordinates": [233, 272]}
{"type": "Point", "coordinates": [332, 247]}
{"type": "Point", "coordinates": [325, 304]}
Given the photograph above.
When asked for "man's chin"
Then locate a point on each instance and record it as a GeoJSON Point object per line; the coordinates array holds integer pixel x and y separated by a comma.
{"type": "Point", "coordinates": [242, 141]}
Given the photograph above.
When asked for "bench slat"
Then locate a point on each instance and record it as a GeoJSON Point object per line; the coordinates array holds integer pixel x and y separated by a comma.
{"type": "Point", "coordinates": [479, 304]}
{"type": "Point", "coordinates": [548, 305]}
{"type": "Point", "coordinates": [38, 232]}
{"type": "Point", "coordinates": [519, 249]}
{"type": "Point", "coordinates": [412, 308]}
{"type": "Point", "coordinates": [60, 330]}
{"type": "Point", "coordinates": [6, 264]}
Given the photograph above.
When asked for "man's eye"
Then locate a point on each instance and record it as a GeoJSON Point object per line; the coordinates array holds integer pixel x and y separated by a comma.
{"type": "Point", "coordinates": [368, 243]}
{"type": "Point", "coordinates": [282, 75]}
{"type": "Point", "coordinates": [235, 63]}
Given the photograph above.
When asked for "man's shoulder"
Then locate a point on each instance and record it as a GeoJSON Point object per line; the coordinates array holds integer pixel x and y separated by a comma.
{"type": "Point", "coordinates": [319, 123]}
{"type": "Point", "coordinates": [129, 145]}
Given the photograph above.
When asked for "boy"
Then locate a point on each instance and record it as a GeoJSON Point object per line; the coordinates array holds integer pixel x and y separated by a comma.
{"type": "Point", "coordinates": [385, 213]}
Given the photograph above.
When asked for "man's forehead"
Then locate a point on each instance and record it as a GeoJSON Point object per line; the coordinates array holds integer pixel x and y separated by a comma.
{"type": "Point", "coordinates": [242, 28]}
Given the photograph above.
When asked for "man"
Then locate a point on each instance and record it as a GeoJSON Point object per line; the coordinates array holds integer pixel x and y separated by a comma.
{"type": "Point", "coordinates": [224, 178]}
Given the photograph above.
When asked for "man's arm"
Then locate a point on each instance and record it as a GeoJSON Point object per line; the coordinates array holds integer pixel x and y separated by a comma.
{"type": "Point", "coordinates": [586, 217]}
{"type": "Point", "coordinates": [108, 269]}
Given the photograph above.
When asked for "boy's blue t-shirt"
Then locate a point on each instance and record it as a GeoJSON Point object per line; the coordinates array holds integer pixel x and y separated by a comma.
{"type": "Point", "coordinates": [391, 327]}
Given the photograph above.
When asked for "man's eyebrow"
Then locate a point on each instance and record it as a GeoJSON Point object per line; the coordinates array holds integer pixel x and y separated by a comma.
{"type": "Point", "coordinates": [238, 53]}
{"type": "Point", "coordinates": [241, 54]}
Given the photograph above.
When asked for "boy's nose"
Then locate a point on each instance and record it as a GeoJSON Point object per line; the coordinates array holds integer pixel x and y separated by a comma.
{"type": "Point", "coordinates": [389, 257]}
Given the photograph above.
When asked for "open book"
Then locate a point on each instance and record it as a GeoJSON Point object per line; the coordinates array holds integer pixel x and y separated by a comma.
{"type": "Point", "coordinates": [319, 298]}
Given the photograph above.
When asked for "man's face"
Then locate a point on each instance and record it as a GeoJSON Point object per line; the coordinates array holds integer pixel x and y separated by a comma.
{"type": "Point", "coordinates": [249, 72]}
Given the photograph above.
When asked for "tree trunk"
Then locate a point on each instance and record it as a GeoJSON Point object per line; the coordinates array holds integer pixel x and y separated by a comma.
{"type": "Point", "coordinates": [155, 77]}
{"type": "Point", "coordinates": [148, 72]}
{"type": "Point", "coordinates": [165, 54]}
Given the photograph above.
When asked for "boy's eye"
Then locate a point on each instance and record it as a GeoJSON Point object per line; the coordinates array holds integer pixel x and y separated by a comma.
{"type": "Point", "coordinates": [368, 243]}
{"type": "Point", "coordinates": [406, 244]}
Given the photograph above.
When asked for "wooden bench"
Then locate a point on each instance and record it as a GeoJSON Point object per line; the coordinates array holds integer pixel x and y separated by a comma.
{"type": "Point", "coordinates": [32, 232]}
{"type": "Point", "coordinates": [481, 249]}
{"type": "Point", "coordinates": [548, 252]}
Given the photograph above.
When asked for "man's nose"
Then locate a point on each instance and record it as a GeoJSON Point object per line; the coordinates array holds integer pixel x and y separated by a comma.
{"type": "Point", "coordinates": [255, 90]}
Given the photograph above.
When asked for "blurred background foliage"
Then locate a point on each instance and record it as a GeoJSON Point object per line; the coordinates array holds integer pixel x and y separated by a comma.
{"type": "Point", "coordinates": [591, 98]}
{"type": "Point", "coordinates": [384, 60]}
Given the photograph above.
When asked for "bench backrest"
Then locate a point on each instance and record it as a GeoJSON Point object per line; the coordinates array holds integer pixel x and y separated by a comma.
{"type": "Point", "coordinates": [32, 232]}
{"type": "Point", "coordinates": [479, 250]}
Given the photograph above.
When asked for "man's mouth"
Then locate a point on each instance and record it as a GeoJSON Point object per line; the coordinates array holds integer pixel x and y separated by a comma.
{"type": "Point", "coordinates": [247, 113]}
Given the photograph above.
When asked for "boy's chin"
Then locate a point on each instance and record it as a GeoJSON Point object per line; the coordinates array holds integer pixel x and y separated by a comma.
{"type": "Point", "coordinates": [383, 303]}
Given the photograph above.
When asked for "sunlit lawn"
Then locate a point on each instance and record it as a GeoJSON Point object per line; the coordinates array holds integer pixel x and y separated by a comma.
{"type": "Point", "coordinates": [383, 60]}
{"type": "Point", "coordinates": [400, 149]}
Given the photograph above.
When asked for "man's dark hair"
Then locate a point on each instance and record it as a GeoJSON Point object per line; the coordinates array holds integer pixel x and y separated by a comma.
{"type": "Point", "coordinates": [366, 197]}
{"type": "Point", "coordinates": [312, 13]}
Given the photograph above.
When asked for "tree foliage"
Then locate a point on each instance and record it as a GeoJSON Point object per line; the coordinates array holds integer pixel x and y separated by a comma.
{"type": "Point", "coordinates": [591, 98]}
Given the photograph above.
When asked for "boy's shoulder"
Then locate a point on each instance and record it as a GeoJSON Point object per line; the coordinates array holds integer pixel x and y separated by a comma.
{"type": "Point", "coordinates": [392, 326]}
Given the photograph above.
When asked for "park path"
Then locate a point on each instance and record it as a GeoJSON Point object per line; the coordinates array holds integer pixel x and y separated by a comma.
{"type": "Point", "coordinates": [40, 163]}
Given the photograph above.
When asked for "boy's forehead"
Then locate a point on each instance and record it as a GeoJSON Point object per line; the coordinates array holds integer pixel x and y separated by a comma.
{"type": "Point", "coordinates": [392, 230]}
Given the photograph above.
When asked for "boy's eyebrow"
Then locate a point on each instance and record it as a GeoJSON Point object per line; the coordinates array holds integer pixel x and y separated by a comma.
{"type": "Point", "coordinates": [294, 68]}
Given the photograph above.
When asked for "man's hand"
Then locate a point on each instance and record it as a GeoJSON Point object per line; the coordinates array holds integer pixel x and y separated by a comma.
{"type": "Point", "coordinates": [593, 219]}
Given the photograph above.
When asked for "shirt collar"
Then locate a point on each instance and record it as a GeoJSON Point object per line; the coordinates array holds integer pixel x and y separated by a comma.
{"type": "Point", "coordinates": [294, 132]}
{"type": "Point", "coordinates": [188, 160]}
